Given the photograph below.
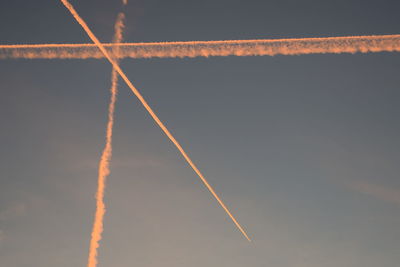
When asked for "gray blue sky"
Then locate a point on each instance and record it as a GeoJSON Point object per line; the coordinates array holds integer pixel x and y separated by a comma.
{"type": "Point", "coordinates": [303, 149]}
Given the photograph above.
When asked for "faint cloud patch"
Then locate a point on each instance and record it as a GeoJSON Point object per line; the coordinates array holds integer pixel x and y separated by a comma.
{"type": "Point", "coordinates": [1, 237]}
{"type": "Point", "coordinates": [13, 211]}
{"type": "Point", "coordinates": [384, 193]}
{"type": "Point", "coordinates": [137, 162]}
{"type": "Point", "coordinates": [10, 213]}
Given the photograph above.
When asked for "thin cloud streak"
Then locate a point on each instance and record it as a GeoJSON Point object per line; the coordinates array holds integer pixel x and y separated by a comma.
{"type": "Point", "coordinates": [384, 193]}
{"type": "Point", "coordinates": [150, 111]}
{"type": "Point", "coordinates": [104, 165]}
{"type": "Point", "coordinates": [191, 49]}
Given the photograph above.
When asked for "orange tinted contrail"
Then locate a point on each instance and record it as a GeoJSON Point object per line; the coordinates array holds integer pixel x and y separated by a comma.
{"type": "Point", "coordinates": [150, 111]}
{"type": "Point", "coordinates": [265, 47]}
{"type": "Point", "coordinates": [104, 165]}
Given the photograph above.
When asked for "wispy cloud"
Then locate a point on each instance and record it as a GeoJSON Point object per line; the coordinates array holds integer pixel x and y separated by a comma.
{"type": "Point", "coordinates": [1, 236]}
{"type": "Point", "coordinates": [13, 211]}
{"type": "Point", "coordinates": [384, 193]}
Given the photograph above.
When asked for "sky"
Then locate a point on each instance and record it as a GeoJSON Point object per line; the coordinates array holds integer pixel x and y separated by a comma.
{"type": "Point", "coordinates": [304, 150]}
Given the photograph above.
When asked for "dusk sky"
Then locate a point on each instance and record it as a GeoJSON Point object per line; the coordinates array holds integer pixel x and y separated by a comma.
{"type": "Point", "coordinates": [304, 150]}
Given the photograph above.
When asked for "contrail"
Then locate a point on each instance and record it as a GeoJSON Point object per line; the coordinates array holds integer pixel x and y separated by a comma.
{"type": "Point", "coordinates": [265, 47]}
{"type": "Point", "coordinates": [150, 111]}
{"type": "Point", "coordinates": [104, 165]}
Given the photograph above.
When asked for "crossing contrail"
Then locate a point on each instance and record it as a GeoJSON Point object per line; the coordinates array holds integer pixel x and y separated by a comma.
{"type": "Point", "coordinates": [150, 110]}
{"type": "Point", "coordinates": [265, 47]}
{"type": "Point", "coordinates": [104, 165]}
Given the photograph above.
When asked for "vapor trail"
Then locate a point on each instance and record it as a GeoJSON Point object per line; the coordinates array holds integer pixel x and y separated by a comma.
{"type": "Point", "coordinates": [104, 165]}
{"type": "Point", "coordinates": [150, 111]}
{"type": "Point", "coordinates": [265, 47]}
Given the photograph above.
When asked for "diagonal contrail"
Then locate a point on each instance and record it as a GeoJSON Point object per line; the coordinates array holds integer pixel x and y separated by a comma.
{"type": "Point", "coordinates": [104, 164]}
{"type": "Point", "coordinates": [150, 110]}
{"type": "Point", "coordinates": [263, 47]}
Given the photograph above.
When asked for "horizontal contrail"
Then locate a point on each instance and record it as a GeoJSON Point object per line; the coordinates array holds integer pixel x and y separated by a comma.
{"type": "Point", "coordinates": [266, 47]}
{"type": "Point", "coordinates": [122, 74]}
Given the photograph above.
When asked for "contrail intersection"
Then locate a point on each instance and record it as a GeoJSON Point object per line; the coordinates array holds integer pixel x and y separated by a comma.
{"type": "Point", "coordinates": [113, 52]}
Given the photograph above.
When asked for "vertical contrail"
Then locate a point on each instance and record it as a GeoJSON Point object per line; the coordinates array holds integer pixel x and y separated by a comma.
{"type": "Point", "coordinates": [104, 165]}
{"type": "Point", "coordinates": [150, 111]}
